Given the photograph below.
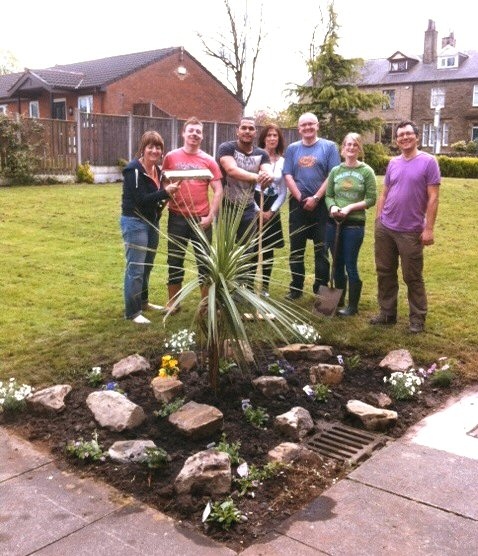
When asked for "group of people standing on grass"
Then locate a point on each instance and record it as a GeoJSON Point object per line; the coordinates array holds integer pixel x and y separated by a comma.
{"type": "Point", "coordinates": [329, 194]}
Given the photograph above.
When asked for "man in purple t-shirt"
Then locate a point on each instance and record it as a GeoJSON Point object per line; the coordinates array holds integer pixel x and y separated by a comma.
{"type": "Point", "coordinates": [406, 214]}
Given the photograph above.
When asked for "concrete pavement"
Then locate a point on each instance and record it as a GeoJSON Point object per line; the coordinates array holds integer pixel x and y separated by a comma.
{"type": "Point", "coordinates": [417, 496]}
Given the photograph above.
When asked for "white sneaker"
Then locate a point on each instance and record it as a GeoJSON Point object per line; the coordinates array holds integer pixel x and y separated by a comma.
{"type": "Point", "coordinates": [153, 307]}
{"type": "Point", "coordinates": [141, 320]}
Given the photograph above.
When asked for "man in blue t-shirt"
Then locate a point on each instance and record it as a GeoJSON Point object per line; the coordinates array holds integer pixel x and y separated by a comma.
{"type": "Point", "coordinates": [306, 167]}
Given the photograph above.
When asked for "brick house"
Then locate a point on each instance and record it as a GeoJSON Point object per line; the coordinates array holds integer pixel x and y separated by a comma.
{"type": "Point", "coordinates": [165, 82]}
{"type": "Point", "coordinates": [438, 90]}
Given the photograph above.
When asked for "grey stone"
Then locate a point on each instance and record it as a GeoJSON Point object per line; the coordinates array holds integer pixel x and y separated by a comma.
{"type": "Point", "coordinates": [114, 411]}
{"type": "Point", "coordinates": [271, 386]}
{"type": "Point", "coordinates": [295, 424]}
{"type": "Point", "coordinates": [49, 400]}
{"type": "Point", "coordinates": [398, 360]}
{"type": "Point", "coordinates": [129, 365]}
{"type": "Point", "coordinates": [207, 472]}
{"type": "Point", "coordinates": [325, 373]}
{"type": "Point", "coordinates": [197, 420]}
{"type": "Point", "coordinates": [166, 389]}
{"type": "Point", "coordinates": [373, 418]}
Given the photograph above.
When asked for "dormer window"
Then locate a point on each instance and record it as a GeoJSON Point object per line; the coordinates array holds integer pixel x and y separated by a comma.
{"type": "Point", "coordinates": [399, 65]}
{"type": "Point", "coordinates": [445, 62]}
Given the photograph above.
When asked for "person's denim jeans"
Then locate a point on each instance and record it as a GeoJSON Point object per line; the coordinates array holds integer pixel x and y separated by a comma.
{"type": "Point", "coordinates": [350, 242]}
{"type": "Point", "coordinates": [141, 241]}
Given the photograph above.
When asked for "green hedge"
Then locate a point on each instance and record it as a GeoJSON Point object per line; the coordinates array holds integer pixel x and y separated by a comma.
{"type": "Point", "coordinates": [450, 167]}
{"type": "Point", "coordinates": [462, 167]}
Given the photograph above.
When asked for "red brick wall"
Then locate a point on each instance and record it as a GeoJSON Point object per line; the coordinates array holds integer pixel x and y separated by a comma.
{"type": "Point", "coordinates": [196, 94]}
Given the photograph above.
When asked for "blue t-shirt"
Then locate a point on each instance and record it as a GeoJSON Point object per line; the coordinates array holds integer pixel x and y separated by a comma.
{"type": "Point", "coordinates": [309, 165]}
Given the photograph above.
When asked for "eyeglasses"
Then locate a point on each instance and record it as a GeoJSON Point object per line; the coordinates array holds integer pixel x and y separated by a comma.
{"type": "Point", "coordinates": [405, 134]}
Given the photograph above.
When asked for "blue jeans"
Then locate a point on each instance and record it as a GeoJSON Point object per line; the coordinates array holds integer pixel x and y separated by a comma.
{"type": "Point", "coordinates": [350, 241]}
{"type": "Point", "coordinates": [141, 241]}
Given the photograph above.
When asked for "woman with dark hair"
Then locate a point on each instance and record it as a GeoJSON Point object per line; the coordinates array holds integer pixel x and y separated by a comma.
{"type": "Point", "coordinates": [272, 141]}
{"type": "Point", "coordinates": [142, 202]}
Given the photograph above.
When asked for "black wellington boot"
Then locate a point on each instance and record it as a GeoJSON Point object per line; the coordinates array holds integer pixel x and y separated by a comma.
{"type": "Point", "coordinates": [355, 290]}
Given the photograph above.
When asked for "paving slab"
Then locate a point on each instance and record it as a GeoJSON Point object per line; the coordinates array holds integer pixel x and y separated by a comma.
{"type": "Point", "coordinates": [426, 475]}
{"type": "Point", "coordinates": [448, 428]}
{"type": "Point", "coordinates": [18, 456]}
{"type": "Point", "coordinates": [280, 545]}
{"type": "Point", "coordinates": [355, 519]}
{"type": "Point", "coordinates": [42, 505]}
{"type": "Point", "coordinates": [135, 529]}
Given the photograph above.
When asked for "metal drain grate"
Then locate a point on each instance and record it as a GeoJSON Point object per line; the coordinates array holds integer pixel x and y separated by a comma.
{"type": "Point", "coordinates": [344, 443]}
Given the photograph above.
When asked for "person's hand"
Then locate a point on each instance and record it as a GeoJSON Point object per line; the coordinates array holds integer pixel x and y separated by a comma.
{"type": "Point", "coordinates": [309, 203]}
{"type": "Point", "coordinates": [205, 222]}
{"type": "Point", "coordinates": [427, 237]}
{"type": "Point", "coordinates": [267, 215]}
{"type": "Point", "coordinates": [171, 188]}
{"type": "Point", "coordinates": [264, 179]}
{"type": "Point", "coordinates": [334, 210]}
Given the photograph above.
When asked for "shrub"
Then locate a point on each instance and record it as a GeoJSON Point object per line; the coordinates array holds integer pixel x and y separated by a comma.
{"type": "Point", "coordinates": [377, 156]}
{"type": "Point", "coordinates": [84, 174]}
{"type": "Point", "coordinates": [18, 160]}
{"type": "Point", "coordinates": [459, 167]}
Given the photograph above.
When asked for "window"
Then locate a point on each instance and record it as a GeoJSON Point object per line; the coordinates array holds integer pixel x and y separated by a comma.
{"type": "Point", "coordinates": [437, 97]}
{"type": "Point", "coordinates": [399, 65]}
{"type": "Point", "coordinates": [475, 95]}
{"type": "Point", "coordinates": [429, 134]}
{"type": "Point", "coordinates": [474, 133]}
{"type": "Point", "coordinates": [390, 93]}
{"type": "Point", "coordinates": [445, 132]}
{"type": "Point", "coordinates": [3, 108]}
{"type": "Point", "coordinates": [447, 62]}
{"type": "Point", "coordinates": [85, 104]}
{"type": "Point", "coordinates": [34, 109]}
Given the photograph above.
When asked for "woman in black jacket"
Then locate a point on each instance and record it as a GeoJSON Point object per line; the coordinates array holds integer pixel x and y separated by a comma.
{"type": "Point", "coordinates": [142, 202]}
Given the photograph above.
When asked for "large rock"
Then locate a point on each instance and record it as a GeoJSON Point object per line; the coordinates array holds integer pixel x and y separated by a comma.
{"type": "Point", "coordinates": [373, 418]}
{"type": "Point", "coordinates": [271, 386]}
{"type": "Point", "coordinates": [307, 352]}
{"type": "Point", "coordinates": [126, 451]}
{"type": "Point", "coordinates": [397, 360]}
{"type": "Point", "coordinates": [207, 472]}
{"type": "Point", "coordinates": [197, 420]}
{"type": "Point", "coordinates": [166, 389]}
{"type": "Point", "coordinates": [129, 365]}
{"type": "Point", "coordinates": [325, 373]}
{"type": "Point", "coordinates": [49, 400]}
{"type": "Point", "coordinates": [295, 424]}
{"type": "Point", "coordinates": [114, 411]}
{"type": "Point", "coordinates": [288, 452]}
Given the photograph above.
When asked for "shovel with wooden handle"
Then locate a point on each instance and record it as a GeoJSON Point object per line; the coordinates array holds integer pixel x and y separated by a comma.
{"type": "Point", "coordinates": [327, 299]}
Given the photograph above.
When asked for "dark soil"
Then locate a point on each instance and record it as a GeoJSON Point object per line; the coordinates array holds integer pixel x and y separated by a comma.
{"type": "Point", "coordinates": [274, 500]}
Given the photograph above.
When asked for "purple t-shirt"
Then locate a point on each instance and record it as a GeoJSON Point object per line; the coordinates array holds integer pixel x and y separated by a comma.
{"type": "Point", "coordinates": [407, 182]}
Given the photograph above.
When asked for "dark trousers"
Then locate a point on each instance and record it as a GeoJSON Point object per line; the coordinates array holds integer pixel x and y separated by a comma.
{"type": "Point", "coordinates": [304, 225]}
{"type": "Point", "coordinates": [180, 232]}
{"type": "Point", "coordinates": [390, 247]}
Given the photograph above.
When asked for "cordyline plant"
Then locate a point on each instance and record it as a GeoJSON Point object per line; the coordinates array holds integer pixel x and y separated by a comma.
{"type": "Point", "coordinates": [230, 268]}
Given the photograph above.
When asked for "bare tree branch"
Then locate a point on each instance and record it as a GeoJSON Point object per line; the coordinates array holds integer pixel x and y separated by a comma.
{"type": "Point", "coordinates": [234, 54]}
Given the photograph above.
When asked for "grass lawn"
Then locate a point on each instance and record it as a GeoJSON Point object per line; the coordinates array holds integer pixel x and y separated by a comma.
{"type": "Point", "coordinates": [62, 271]}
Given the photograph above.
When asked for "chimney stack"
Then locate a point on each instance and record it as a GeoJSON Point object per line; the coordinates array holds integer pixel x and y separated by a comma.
{"type": "Point", "coordinates": [430, 45]}
{"type": "Point", "coordinates": [450, 40]}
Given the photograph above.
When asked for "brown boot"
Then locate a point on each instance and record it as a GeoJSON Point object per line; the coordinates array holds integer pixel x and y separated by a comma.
{"type": "Point", "coordinates": [173, 290]}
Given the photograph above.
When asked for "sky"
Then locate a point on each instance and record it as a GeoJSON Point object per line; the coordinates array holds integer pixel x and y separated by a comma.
{"type": "Point", "coordinates": [51, 32]}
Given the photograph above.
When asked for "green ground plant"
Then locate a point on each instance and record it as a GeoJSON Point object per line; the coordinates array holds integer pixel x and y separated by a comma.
{"type": "Point", "coordinates": [62, 277]}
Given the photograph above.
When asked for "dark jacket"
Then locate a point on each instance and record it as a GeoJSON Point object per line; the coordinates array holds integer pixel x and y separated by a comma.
{"type": "Point", "coordinates": [141, 197]}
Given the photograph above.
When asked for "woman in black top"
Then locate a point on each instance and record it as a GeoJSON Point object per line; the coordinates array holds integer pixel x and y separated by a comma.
{"type": "Point", "coordinates": [142, 202]}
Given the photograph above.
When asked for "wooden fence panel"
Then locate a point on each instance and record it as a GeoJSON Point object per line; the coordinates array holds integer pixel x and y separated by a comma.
{"type": "Point", "coordinates": [106, 139]}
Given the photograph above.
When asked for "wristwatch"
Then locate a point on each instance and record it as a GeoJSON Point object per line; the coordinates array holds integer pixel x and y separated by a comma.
{"type": "Point", "coordinates": [316, 198]}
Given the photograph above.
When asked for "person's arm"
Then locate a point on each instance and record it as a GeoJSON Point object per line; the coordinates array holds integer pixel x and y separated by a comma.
{"type": "Point", "coordinates": [292, 187]}
{"type": "Point", "coordinates": [216, 186]}
{"type": "Point", "coordinates": [381, 201]}
{"type": "Point", "coordinates": [311, 202]}
{"type": "Point", "coordinates": [430, 215]}
{"type": "Point", "coordinates": [231, 168]}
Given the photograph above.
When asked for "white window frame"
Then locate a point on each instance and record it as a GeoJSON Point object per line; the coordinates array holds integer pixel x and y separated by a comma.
{"type": "Point", "coordinates": [475, 95]}
{"type": "Point", "coordinates": [437, 97]}
{"type": "Point", "coordinates": [3, 108]}
{"type": "Point", "coordinates": [390, 93]}
{"type": "Point", "coordinates": [446, 62]}
{"type": "Point", "coordinates": [34, 109]}
{"type": "Point", "coordinates": [429, 133]}
{"type": "Point", "coordinates": [85, 104]}
{"type": "Point", "coordinates": [399, 65]}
